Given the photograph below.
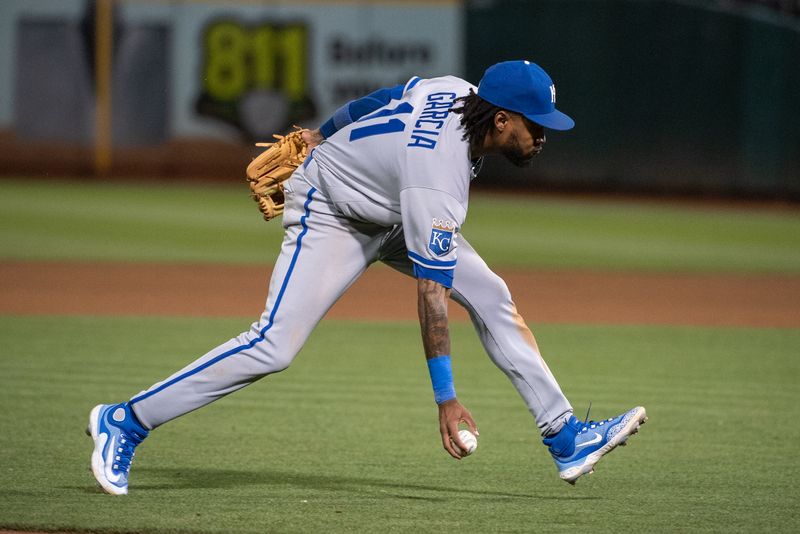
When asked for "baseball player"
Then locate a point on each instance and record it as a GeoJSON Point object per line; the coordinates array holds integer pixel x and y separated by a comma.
{"type": "Point", "coordinates": [388, 180]}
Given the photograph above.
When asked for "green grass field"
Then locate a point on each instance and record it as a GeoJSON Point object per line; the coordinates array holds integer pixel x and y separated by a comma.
{"type": "Point", "coordinates": [346, 442]}
{"type": "Point", "coordinates": [96, 221]}
{"type": "Point", "coordinates": [337, 443]}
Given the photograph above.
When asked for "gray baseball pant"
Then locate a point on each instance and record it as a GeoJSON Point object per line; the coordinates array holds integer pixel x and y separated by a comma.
{"type": "Point", "coordinates": [322, 254]}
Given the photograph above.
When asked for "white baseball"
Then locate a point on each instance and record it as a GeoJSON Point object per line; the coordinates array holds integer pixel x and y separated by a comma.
{"type": "Point", "coordinates": [468, 439]}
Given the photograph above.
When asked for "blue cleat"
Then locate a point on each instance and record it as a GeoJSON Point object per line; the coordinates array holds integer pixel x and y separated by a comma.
{"type": "Point", "coordinates": [580, 444]}
{"type": "Point", "coordinates": [116, 433]}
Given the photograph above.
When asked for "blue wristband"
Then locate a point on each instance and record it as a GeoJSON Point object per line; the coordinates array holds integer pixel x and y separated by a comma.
{"type": "Point", "coordinates": [441, 378]}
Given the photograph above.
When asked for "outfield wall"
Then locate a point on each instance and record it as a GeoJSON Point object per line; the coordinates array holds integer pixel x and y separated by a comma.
{"type": "Point", "coordinates": [668, 96]}
{"type": "Point", "coordinates": [229, 71]}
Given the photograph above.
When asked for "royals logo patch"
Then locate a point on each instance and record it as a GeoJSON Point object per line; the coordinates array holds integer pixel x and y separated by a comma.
{"type": "Point", "coordinates": [441, 236]}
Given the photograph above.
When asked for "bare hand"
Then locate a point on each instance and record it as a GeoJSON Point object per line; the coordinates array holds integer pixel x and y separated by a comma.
{"type": "Point", "coordinates": [451, 413]}
{"type": "Point", "coordinates": [312, 138]}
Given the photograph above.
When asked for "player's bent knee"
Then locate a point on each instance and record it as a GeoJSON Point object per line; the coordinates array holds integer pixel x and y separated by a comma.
{"type": "Point", "coordinates": [281, 363]}
{"type": "Point", "coordinates": [270, 359]}
{"type": "Point", "coordinates": [492, 293]}
{"type": "Point", "coordinates": [272, 350]}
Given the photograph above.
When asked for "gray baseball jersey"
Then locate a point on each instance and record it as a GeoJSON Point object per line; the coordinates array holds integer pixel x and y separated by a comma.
{"type": "Point", "coordinates": [404, 164]}
{"type": "Point", "coordinates": [390, 184]}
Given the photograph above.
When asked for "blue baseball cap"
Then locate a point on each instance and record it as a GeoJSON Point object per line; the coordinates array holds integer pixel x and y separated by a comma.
{"type": "Point", "coordinates": [525, 88]}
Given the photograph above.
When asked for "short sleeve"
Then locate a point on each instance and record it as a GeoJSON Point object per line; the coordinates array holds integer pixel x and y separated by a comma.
{"type": "Point", "coordinates": [431, 222]}
{"type": "Point", "coordinates": [355, 109]}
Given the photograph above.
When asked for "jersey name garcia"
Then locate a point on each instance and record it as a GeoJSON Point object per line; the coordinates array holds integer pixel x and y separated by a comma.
{"type": "Point", "coordinates": [430, 122]}
{"type": "Point", "coordinates": [404, 162]}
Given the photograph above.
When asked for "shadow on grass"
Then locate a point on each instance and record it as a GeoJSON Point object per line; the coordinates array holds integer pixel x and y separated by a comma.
{"type": "Point", "coordinates": [211, 478]}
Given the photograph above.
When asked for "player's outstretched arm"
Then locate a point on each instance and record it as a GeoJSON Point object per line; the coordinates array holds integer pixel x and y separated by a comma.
{"type": "Point", "coordinates": [432, 307]}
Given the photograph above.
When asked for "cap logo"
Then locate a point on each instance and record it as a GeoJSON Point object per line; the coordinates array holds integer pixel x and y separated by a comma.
{"type": "Point", "coordinates": [553, 94]}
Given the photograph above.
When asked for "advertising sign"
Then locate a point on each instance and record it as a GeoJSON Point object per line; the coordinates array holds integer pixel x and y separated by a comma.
{"type": "Point", "coordinates": [243, 69]}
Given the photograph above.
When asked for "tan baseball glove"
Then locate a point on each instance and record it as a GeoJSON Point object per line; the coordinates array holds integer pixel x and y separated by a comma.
{"type": "Point", "coordinates": [267, 172]}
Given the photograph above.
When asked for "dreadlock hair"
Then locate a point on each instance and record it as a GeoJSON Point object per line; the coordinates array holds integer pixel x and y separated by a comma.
{"type": "Point", "coordinates": [477, 118]}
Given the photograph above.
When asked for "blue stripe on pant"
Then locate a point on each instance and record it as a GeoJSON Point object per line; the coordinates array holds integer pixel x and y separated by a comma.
{"type": "Point", "coordinates": [262, 334]}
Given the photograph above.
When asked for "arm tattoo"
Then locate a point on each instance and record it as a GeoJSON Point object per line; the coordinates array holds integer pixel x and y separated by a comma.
{"type": "Point", "coordinates": [432, 308]}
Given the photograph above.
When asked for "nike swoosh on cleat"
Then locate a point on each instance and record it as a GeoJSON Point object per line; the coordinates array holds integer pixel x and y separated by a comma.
{"type": "Point", "coordinates": [596, 439]}
{"type": "Point", "coordinates": [110, 461]}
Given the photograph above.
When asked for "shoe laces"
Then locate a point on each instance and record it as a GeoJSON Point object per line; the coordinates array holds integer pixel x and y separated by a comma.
{"type": "Point", "coordinates": [586, 424]}
{"type": "Point", "coordinates": [125, 452]}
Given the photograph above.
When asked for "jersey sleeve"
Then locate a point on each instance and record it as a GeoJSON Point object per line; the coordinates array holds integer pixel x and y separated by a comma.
{"type": "Point", "coordinates": [431, 222]}
{"type": "Point", "coordinates": [355, 109]}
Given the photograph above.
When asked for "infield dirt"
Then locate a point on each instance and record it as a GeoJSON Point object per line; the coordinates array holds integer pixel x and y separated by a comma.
{"type": "Point", "coordinates": [542, 296]}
